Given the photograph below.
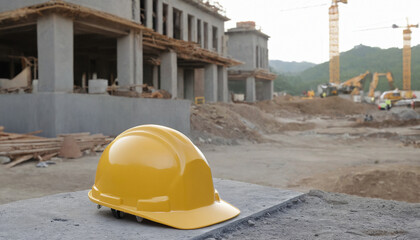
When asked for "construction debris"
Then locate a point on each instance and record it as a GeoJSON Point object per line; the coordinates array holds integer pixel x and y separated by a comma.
{"type": "Point", "coordinates": [18, 148]}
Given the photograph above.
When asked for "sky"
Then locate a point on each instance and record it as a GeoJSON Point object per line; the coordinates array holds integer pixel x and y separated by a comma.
{"type": "Point", "coordinates": [299, 29]}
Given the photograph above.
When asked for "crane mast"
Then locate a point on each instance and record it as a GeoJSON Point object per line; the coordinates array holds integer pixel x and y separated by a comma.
{"type": "Point", "coordinates": [407, 57]}
{"type": "Point", "coordinates": [334, 42]}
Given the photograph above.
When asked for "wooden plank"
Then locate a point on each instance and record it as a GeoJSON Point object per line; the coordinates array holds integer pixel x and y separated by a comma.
{"type": "Point", "coordinates": [74, 134]}
{"type": "Point", "coordinates": [1, 128]}
{"type": "Point", "coordinates": [19, 160]}
{"type": "Point", "coordinates": [40, 150]}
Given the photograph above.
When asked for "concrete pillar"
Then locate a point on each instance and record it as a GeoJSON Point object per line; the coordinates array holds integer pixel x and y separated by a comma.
{"type": "Point", "coordinates": [210, 83]}
{"type": "Point", "coordinates": [267, 89]}
{"type": "Point", "coordinates": [136, 10]}
{"type": "Point", "coordinates": [202, 33]}
{"type": "Point", "coordinates": [210, 36]}
{"type": "Point", "coordinates": [189, 84]}
{"type": "Point", "coordinates": [250, 95]}
{"type": "Point", "coordinates": [169, 73]}
{"type": "Point", "coordinates": [184, 26]}
{"type": "Point", "coordinates": [55, 53]}
{"type": "Point", "coordinates": [222, 90]}
{"type": "Point", "coordinates": [155, 77]}
{"type": "Point", "coordinates": [149, 13]}
{"type": "Point", "coordinates": [130, 61]}
{"type": "Point", "coordinates": [180, 83]}
{"type": "Point", "coordinates": [159, 16]}
{"type": "Point", "coordinates": [194, 29]}
{"type": "Point", "coordinates": [170, 21]}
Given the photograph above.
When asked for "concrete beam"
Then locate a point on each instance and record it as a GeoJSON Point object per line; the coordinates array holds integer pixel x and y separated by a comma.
{"type": "Point", "coordinates": [169, 73]}
{"type": "Point", "coordinates": [222, 92]}
{"type": "Point", "coordinates": [130, 61]}
{"type": "Point", "coordinates": [55, 53]}
{"type": "Point", "coordinates": [250, 95]}
{"type": "Point", "coordinates": [210, 83]}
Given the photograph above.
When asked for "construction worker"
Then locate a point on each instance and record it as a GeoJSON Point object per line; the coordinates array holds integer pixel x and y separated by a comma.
{"type": "Point", "coordinates": [388, 104]}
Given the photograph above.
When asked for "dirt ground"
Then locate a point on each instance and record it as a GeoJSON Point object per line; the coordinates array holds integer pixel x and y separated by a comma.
{"type": "Point", "coordinates": [287, 143]}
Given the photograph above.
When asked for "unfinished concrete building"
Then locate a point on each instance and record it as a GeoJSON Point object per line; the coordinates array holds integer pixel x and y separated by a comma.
{"type": "Point", "coordinates": [135, 46]}
{"type": "Point", "coordinates": [253, 78]}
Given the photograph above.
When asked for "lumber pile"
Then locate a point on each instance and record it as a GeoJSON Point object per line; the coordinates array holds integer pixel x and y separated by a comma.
{"type": "Point", "coordinates": [23, 147]}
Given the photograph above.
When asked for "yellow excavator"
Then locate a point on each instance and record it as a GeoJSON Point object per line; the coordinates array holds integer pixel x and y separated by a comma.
{"type": "Point", "coordinates": [354, 85]}
{"type": "Point", "coordinates": [375, 81]}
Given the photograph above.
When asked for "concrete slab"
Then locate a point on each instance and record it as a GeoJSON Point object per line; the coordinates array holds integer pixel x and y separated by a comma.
{"type": "Point", "coordinates": [74, 216]}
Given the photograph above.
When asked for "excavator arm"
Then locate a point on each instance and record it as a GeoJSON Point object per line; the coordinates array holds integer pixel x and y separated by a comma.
{"type": "Point", "coordinates": [375, 81]}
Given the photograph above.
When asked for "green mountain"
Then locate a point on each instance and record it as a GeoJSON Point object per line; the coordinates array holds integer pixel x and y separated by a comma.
{"type": "Point", "coordinates": [283, 67]}
{"type": "Point", "coordinates": [352, 63]}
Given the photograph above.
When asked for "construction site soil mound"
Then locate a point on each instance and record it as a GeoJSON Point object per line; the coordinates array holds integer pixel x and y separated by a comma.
{"type": "Point", "coordinates": [330, 106]}
{"type": "Point", "coordinates": [388, 123]}
{"type": "Point", "coordinates": [394, 182]}
{"type": "Point", "coordinates": [239, 121]}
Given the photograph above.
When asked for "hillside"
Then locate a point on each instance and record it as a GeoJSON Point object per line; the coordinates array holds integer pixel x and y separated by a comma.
{"type": "Point", "coordinates": [354, 62]}
{"type": "Point", "coordinates": [279, 66]}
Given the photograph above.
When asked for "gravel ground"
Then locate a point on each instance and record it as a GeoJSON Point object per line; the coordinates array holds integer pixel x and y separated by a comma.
{"type": "Point", "coordinates": [322, 215]}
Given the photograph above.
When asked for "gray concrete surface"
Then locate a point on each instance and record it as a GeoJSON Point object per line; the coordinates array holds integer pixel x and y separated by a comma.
{"type": "Point", "coordinates": [56, 113]}
{"type": "Point", "coordinates": [250, 95]}
{"type": "Point", "coordinates": [331, 216]}
{"type": "Point", "coordinates": [74, 216]}
{"type": "Point", "coordinates": [169, 73]}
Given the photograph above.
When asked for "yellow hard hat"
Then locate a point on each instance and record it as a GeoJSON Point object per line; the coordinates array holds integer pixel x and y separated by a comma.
{"type": "Point", "coordinates": [157, 173]}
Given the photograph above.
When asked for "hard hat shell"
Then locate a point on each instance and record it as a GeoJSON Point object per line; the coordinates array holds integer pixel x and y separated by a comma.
{"type": "Point", "coordinates": [157, 173]}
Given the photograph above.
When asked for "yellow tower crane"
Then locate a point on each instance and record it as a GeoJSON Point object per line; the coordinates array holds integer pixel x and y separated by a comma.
{"type": "Point", "coordinates": [334, 47]}
{"type": "Point", "coordinates": [406, 57]}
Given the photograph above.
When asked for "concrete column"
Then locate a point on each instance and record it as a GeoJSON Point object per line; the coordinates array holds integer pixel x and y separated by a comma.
{"type": "Point", "coordinates": [194, 29]}
{"type": "Point", "coordinates": [184, 26]}
{"type": "Point", "coordinates": [169, 72]}
{"type": "Point", "coordinates": [267, 89]}
{"type": "Point", "coordinates": [222, 90]}
{"type": "Point", "coordinates": [180, 84]}
{"type": "Point", "coordinates": [170, 21]}
{"type": "Point", "coordinates": [250, 95]}
{"type": "Point", "coordinates": [210, 36]}
{"type": "Point", "coordinates": [189, 84]}
{"type": "Point", "coordinates": [130, 61]}
{"type": "Point", "coordinates": [210, 83]}
{"type": "Point", "coordinates": [155, 77]}
{"type": "Point", "coordinates": [55, 53]}
{"type": "Point", "coordinates": [149, 13]}
{"type": "Point", "coordinates": [202, 33]}
{"type": "Point", "coordinates": [159, 16]}
{"type": "Point", "coordinates": [138, 61]}
{"type": "Point", "coordinates": [136, 10]}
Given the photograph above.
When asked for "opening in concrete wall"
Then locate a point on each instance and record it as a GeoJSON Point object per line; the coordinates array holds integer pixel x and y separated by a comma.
{"type": "Point", "coordinates": [190, 26]}
{"type": "Point", "coordinates": [199, 34]}
{"type": "Point", "coordinates": [18, 55]}
{"type": "Point", "coordinates": [215, 38]}
{"type": "Point", "coordinates": [95, 56]}
{"type": "Point", "coordinates": [237, 86]}
{"type": "Point", "coordinates": [177, 20]}
{"type": "Point", "coordinates": [165, 19]}
{"type": "Point", "coordinates": [143, 12]}
{"type": "Point", "coordinates": [154, 16]}
{"type": "Point", "coordinates": [257, 57]}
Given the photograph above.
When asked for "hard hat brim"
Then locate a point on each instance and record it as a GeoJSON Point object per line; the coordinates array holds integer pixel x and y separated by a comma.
{"type": "Point", "coordinates": [217, 212]}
